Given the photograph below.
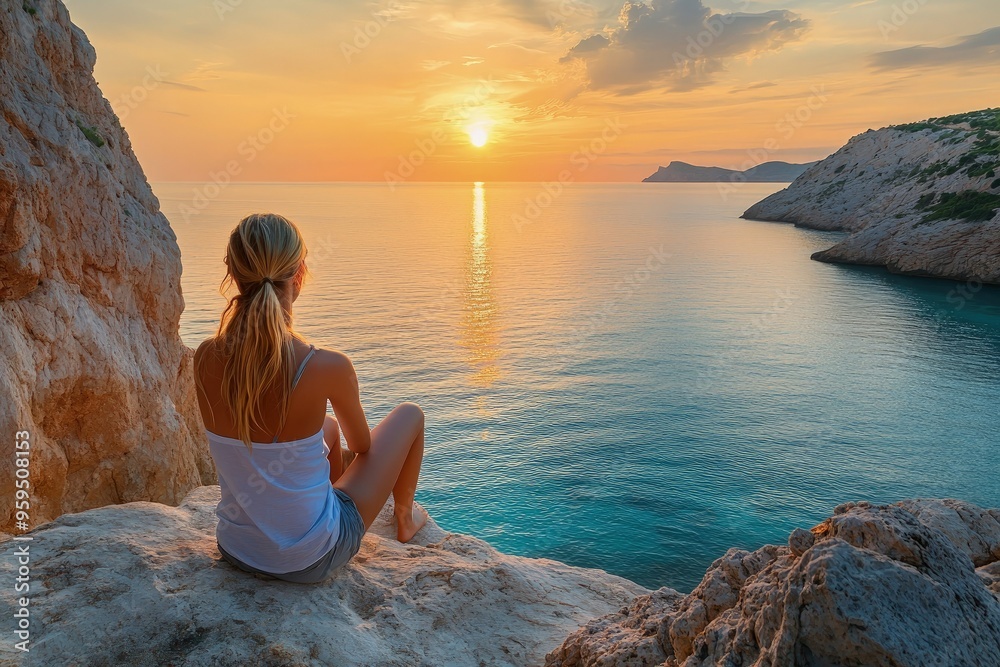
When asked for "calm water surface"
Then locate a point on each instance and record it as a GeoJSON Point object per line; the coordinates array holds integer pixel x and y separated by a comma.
{"type": "Point", "coordinates": [637, 379]}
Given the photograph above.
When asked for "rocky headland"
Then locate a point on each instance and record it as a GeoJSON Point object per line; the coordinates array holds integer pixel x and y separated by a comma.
{"type": "Point", "coordinates": [920, 199]}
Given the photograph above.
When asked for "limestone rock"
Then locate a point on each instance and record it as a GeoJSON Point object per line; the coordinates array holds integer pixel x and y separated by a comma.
{"type": "Point", "coordinates": [887, 187]}
{"type": "Point", "coordinates": [626, 637]}
{"type": "Point", "coordinates": [94, 369]}
{"type": "Point", "coordinates": [880, 586]}
{"type": "Point", "coordinates": [800, 540]}
{"type": "Point", "coordinates": [143, 584]}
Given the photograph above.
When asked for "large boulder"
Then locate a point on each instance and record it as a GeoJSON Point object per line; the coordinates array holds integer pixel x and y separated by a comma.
{"type": "Point", "coordinates": [93, 368]}
{"type": "Point", "coordinates": [872, 586]}
{"type": "Point", "coordinates": [144, 584]}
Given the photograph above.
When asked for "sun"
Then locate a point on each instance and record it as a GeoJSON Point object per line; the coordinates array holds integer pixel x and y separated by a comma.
{"type": "Point", "coordinates": [478, 136]}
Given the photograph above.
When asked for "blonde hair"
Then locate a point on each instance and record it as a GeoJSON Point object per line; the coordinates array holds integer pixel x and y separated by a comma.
{"type": "Point", "coordinates": [265, 255]}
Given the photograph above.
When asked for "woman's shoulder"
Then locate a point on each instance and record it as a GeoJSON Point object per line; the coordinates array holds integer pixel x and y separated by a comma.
{"type": "Point", "coordinates": [333, 359]}
{"type": "Point", "coordinates": [207, 352]}
{"type": "Point", "coordinates": [208, 346]}
{"type": "Point", "coordinates": [332, 364]}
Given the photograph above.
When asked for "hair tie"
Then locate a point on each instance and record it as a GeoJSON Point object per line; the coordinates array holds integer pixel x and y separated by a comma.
{"type": "Point", "coordinates": [267, 280]}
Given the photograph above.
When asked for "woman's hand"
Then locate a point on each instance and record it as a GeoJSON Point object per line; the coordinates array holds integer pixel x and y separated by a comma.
{"type": "Point", "coordinates": [361, 451]}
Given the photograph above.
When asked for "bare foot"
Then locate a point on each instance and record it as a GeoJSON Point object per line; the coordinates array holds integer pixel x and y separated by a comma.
{"type": "Point", "coordinates": [408, 526]}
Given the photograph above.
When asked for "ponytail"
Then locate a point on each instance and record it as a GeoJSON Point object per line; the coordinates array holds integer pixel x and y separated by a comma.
{"type": "Point", "coordinates": [265, 255]}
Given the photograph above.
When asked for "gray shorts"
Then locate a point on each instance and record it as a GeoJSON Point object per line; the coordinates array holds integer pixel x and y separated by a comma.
{"type": "Point", "coordinates": [352, 529]}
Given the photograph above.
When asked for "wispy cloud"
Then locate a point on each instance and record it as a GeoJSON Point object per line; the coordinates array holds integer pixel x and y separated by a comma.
{"type": "Point", "coordinates": [183, 86]}
{"type": "Point", "coordinates": [979, 49]}
{"type": "Point", "coordinates": [754, 86]}
{"type": "Point", "coordinates": [431, 65]}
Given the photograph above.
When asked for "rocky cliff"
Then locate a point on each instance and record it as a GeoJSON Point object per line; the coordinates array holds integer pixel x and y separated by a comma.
{"type": "Point", "coordinates": [920, 199]}
{"type": "Point", "coordinates": [143, 584]}
{"type": "Point", "coordinates": [906, 585]}
{"type": "Point", "coordinates": [93, 368]}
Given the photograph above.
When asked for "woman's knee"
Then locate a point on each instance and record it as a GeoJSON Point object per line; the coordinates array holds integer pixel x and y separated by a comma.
{"type": "Point", "coordinates": [331, 431]}
{"type": "Point", "coordinates": [412, 412]}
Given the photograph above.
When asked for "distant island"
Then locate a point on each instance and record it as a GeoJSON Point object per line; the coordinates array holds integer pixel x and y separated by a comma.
{"type": "Point", "coordinates": [767, 172]}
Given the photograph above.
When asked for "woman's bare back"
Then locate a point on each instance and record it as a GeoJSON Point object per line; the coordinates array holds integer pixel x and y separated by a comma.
{"type": "Point", "coordinates": [328, 377]}
{"type": "Point", "coordinates": [388, 457]}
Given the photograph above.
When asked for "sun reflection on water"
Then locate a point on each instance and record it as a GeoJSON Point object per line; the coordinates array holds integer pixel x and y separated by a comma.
{"type": "Point", "coordinates": [479, 326]}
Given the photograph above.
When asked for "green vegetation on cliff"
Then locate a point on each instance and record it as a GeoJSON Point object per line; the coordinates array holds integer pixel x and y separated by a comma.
{"type": "Point", "coordinates": [91, 134]}
{"type": "Point", "coordinates": [968, 205]}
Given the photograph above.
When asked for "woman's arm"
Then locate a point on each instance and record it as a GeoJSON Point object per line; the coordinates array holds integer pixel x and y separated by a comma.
{"type": "Point", "coordinates": [345, 397]}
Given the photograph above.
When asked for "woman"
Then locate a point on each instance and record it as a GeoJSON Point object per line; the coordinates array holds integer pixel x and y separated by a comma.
{"type": "Point", "coordinates": [288, 508]}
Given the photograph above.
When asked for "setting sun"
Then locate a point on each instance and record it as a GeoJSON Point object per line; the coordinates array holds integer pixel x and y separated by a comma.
{"type": "Point", "coordinates": [478, 136]}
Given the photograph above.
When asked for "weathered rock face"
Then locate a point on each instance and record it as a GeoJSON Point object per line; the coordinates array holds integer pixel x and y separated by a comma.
{"type": "Point", "coordinates": [93, 368]}
{"type": "Point", "coordinates": [921, 199]}
{"type": "Point", "coordinates": [143, 584]}
{"type": "Point", "coordinates": [873, 586]}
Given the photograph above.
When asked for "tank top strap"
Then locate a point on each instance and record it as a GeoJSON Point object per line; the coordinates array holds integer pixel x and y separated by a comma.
{"type": "Point", "coordinates": [302, 366]}
{"type": "Point", "coordinates": [298, 376]}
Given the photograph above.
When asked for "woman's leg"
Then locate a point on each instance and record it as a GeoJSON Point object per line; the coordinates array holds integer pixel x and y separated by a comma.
{"type": "Point", "coordinates": [392, 465]}
{"type": "Point", "coordinates": [331, 434]}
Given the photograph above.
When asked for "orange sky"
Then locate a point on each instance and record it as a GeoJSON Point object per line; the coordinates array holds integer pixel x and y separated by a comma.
{"type": "Point", "coordinates": [307, 90]}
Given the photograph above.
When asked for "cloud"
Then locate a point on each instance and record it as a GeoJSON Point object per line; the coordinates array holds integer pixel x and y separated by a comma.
{"type": "Point", "coordinates": [588, 45]}
{"type": "Point", "coordinates": [431, 65]}
{"type": "Point", "coordinates": [545, 14]}
{"type": "Point", "coordinates": [183, 86]}
{"type": "Point", "coordinates": [679, 44]}
{"type": "Point", "coordinates": [979, 49]}
{"type": "Point", "coordinates": [754, 86]}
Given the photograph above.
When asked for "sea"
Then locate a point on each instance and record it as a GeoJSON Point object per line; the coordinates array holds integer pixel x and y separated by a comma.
{"type": "Point", "coordinates": [627, 376]}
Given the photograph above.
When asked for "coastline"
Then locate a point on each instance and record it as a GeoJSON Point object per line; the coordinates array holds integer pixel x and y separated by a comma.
{"type": "Point", "coordinates": [918, 199]}
{"type": "Point", "coordinates": [118, 556]}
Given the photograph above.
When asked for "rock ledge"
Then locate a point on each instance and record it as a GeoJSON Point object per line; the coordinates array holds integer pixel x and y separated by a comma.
{"type": "Point", "coordinates": [906, 585]}
{"type": "Point", "coordinates": [143, 584]}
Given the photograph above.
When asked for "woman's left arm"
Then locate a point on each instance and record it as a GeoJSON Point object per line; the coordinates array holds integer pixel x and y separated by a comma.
{"type": "Point", "coordinates": [344, 395]}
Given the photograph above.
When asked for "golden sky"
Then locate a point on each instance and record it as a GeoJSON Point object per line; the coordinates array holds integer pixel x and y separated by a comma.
{"type": "Point", "coordinates": [314, 90]}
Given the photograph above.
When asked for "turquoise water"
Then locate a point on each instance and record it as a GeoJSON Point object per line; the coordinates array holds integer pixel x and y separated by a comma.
{"type": "Point", "coordinates": [635, 380]}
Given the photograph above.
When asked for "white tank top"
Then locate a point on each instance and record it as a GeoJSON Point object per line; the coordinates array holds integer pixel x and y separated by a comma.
{"type": "Point", "coordinates": [278, 512]}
